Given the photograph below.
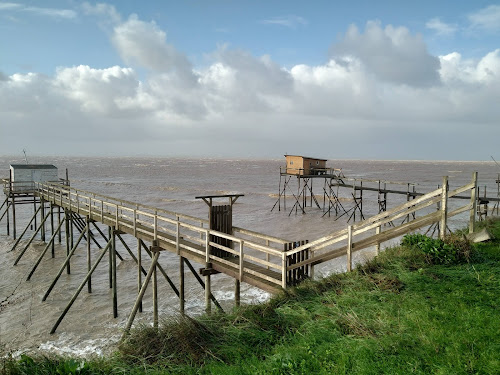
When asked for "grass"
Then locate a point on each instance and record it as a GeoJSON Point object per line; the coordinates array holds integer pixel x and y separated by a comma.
{"type": "Point", "coordinates": [400, 314]}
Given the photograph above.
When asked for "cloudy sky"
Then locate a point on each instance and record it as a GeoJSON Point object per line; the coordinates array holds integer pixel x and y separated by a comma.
{"type": "Point", "coordinates": [222, 78]}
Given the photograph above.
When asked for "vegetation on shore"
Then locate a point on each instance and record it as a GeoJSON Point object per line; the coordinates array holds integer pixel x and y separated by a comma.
{"type": "Point", "coordinates": [426, 306]}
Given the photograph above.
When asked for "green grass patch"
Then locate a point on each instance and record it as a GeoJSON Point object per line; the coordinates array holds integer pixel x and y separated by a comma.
{"type": "Point", "coordinates": [408, 311]}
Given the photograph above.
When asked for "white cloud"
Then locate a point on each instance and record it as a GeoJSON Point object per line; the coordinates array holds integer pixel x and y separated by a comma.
{"type": "Point", "coordinates": [8, 6]}
{"type": "Point", "coordinates": [145, 44]}
{"type": "Point", "coordinates": [102, 9]}
{"type": "Point", "coordinates": [49, 12]}
{"type": "Point", "coordinates": [243, 102]}
{"type": "Point", "coordinates": [291, 21]}
{"type": "Point", "coordinates": [98, 91]}
{"type": "Point", "coordinates": [441, 28]}
{"type": "Point", "coordinates": [391, 53]}
{"type": "Point", "coordinates": [484, 71]}
{"type": "Point", "coordinates": [486, 19]}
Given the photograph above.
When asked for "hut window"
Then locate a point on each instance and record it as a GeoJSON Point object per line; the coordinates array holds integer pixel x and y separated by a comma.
{"type": "Point", "coordinates": [317, 162]}
{"type": "Point", "coordinates": [291, 162]}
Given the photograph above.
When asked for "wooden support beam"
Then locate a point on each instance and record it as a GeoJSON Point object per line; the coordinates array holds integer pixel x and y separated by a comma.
{"type": "Point", "coordinates": [25, 230]}
{"type": "Point", "coordinates": [30, 241]}
{"type": "Point", "coordinates": [61, 270]}
{"type": "Point", "coordinates": [49, 245]}
{"type": "Point", "coordinates": [141, 294]}
{"type": "Point", "coordinates": [75, 296]}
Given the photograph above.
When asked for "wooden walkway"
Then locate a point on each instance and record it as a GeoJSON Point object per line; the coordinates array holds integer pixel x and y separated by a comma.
{"type": "Point", "coordinates": [269, 263]}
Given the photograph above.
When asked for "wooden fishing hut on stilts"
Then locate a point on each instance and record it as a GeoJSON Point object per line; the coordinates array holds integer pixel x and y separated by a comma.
{"type": "Point", "coordinates": [303, 170]}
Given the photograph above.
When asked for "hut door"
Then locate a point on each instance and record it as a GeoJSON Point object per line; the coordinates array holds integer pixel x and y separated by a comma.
{"type": "Point", "coordinates": [221, 220]}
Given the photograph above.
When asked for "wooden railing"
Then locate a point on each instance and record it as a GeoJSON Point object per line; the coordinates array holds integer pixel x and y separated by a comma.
{"type": "Point", "coordinates": [256, 258]}
{"type": "Point", "coordinates": [356, 237]}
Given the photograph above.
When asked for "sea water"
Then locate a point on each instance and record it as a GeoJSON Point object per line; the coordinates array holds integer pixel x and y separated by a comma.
{"type": "Point", "coordinates": [173, 184]}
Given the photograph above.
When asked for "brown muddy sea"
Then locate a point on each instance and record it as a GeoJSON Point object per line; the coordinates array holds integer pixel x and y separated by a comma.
{"type": "Point", "coordinates": [173, 184]}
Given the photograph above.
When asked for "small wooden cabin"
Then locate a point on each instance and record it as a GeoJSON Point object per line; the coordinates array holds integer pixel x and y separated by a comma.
{"type": "Point", "coordinates": [23, 175]}
{"type": "Point", "coordinates": [304, 166]}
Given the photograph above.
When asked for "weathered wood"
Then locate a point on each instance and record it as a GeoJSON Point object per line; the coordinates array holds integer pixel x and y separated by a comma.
{"type": "Point", "coordinates": [25, 229]}
{"type": "Point", "coordinates": [141, 293]}
{"type": "Point", "coordinates": [473, 199]}
{"type": "Point", "coordinates": [30, 241]}
{"type": "Point", "coordinates": [349, 248]}
{"type": "Point", "coordinates": [75, 296]}
{"type": "Point", "coordinates": [37, 262]}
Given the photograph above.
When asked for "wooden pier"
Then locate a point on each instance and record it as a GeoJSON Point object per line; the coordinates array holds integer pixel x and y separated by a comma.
{"type": "Point", "coordinates": [266, 262]}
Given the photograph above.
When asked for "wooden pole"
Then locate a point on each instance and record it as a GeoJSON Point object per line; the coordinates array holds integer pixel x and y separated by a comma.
{"type": "Point", "coordinates": [30, 241]}
{"type": "Point", "coordinates": [53, 247]}
{"type": "Point", "coordinates": [42, 214]}
{"type": "Point", "coordinates": [59, 237]}
{"type": "Point", "coordinates": [139, 273]}
{"type": "Point", "coordinates": [73, 299]}
{"type": "Point", "coordinates": [110, 260]}
{"type": "Point", "coordinates": [89, 255]}
{"type": "Point", "coordinates": [208, 285]}
{"type": "Point", "coordinates": [141, 293]}
{"type": "Point", "coordinates": [25, 229]}
{"type": "Point", "coordinates": [237, 290]}
{"type": "Point", "coordinates": [61, 270]}
{"type": "Point", "coordinates": [377, 246]}
{"type": "Point", "coordinates": [349, 248]}
{"type": "Point", "coordinates": [181, 285]}
{"type": "Point", "coordinates": [67, 230]}
{"type": "Point", "coordinates": [113, 267]}
{"type": "Point", "coordinates": [13, 204]}
{"type": "Point", "coordinates": [155, 296]}
{"type": "Point", "coordinates": [473, 201]}
{"type": "Point", "coordinates": [51, 241]}
{"type": "Point", "coordinates": [444, 208]}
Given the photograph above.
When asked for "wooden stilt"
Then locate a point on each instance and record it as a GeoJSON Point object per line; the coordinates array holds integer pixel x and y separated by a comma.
{"type": "Point", "coordinates": [473, 201]}
{"type": "Point", "coordinates": [75, 296]}
{"type": "Point", "coordinates": [113, 276]}
{"type": "Point", "coordinates": [444, 208]}
{"type": "Point", "coordinates": [67, 225]}
{"type": "Point", "coordinates": [181, 285]}
{"type": "Point", "coordinates": [42, 214]}
{"type": "Point", "coordinates": [61, 269]}
{"type": "Point", "coordinates": [237, 290]}
{"type": "Point", "coordinates": [155, 295]}
{"type": "Point", "coordinates": [141, 293]}
{"type": "Point", "coordinates": [30, 241]}
{"type": "Point", "coordinates": [139, 273]}
{"type": "Point", "coordinates": [89, 254]}
{"type": "Point", "coordinates": [53, 246]}
{"type": "Point", "coordinates": [25, 230]}
{"type": "Point", "coordinates": [37, 262]}
{"type": "Point", "coordinates": [200, 281]}
{"type": "Point", "coordinates": [349, 248]}
{"type": "Point", "coordinates": [59, 237]}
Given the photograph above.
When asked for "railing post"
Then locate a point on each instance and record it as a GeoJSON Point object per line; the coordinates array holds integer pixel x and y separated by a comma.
{"type": "Point", "coordinates": [283, 269]}
{"type": "Point", "coordinates": [473, 201]}
{"type": "Point", "coordinates": [155, 234]}
{"type": "Point", "coordinates": [240, 278]}
{"type": "Point", "coordinates": [444, 208]}
{"type": "Point", "coordinates": [349, 248]}
{"type": "Point", "coordinates": [177, 236]}
{"type": "Point", "coordinates": [208, 285]}
{"type": "Point", "coordinates": [377, 246]}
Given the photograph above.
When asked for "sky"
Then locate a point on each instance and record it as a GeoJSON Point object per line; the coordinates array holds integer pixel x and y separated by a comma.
{"type": "Point", "coordinates": [392, 80]}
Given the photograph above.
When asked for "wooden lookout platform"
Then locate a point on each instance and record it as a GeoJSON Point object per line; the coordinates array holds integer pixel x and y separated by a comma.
{"type": "Point", "coordinates": [266, 262]}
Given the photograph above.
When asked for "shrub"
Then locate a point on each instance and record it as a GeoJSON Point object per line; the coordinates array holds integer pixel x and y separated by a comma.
{"type": "Point", "coordinates": [453, 249]}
